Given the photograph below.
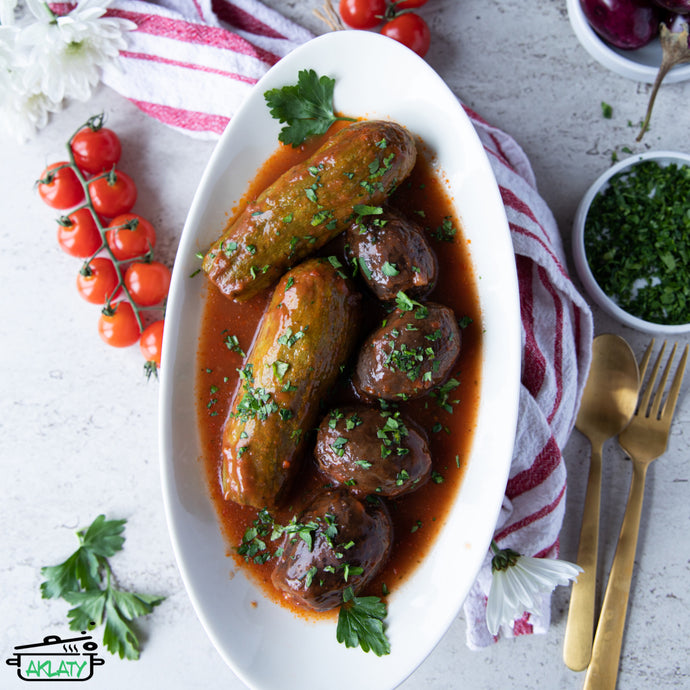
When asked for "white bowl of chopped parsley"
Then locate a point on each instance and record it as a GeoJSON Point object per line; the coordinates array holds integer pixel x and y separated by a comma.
{"type": "Point", "coordinates": [631, 242]}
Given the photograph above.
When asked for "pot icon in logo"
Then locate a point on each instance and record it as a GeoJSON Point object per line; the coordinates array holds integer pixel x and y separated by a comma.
{"type": "Point", "coordinates": [56, 659]}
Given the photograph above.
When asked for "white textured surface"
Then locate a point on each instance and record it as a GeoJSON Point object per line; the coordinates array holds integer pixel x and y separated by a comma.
{"type": "Point", "coordinates": [78, 421]}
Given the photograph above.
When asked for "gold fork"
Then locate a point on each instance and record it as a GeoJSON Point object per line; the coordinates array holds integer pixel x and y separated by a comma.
{"type": "Point", "coordinates": [644, 440]}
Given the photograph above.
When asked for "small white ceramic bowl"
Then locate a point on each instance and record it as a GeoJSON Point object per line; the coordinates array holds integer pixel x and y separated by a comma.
{"type": "Point", "coordinates": [640, 65]}
{"type": "Point", "coordinates": [580, 256]}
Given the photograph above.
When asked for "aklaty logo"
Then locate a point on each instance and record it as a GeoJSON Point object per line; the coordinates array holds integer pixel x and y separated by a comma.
{"type": "Point", "coordinates": [73, 658]}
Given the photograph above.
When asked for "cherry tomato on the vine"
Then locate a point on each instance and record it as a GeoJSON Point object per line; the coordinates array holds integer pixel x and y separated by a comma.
{"type": "Point", "coordinates": [96, 148]}
{"type": "Point", "coordinates": [78, 234]}
{"type": "Point", "coordinates": [59, 186]}
{"type": "Point", "coordinates": [130, 236]}
{"type": "Point", "coordinates": [113, 194]}
{"type": "Point", "coordinates": [147, 283]}
{"type": "Point", "coordinates": [118, 325]}
{"type": "Point", "coordinates": [151, 342]}
{"type": "Point", "coordinates": [97, 282]}
{"type": "Point", "coordinates": [362, 14]}
{"type": "Point", "coordinates": [410, 30]}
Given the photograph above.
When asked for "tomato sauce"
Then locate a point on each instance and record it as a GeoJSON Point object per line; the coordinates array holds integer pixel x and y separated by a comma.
{"type": "Point", "coordinates": [228, 329]}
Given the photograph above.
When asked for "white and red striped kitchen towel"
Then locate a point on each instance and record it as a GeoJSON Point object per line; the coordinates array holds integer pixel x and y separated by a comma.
{"type": "Point", "coordinates": [190, 63]}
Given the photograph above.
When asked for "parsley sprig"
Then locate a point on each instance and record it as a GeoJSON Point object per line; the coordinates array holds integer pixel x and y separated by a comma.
{"type": "Point", "coordinates": [361, 623]}
{"type": "Point", "coordinates": [306, 108]}
{"type": "Point", "coordinates": [85, 580]}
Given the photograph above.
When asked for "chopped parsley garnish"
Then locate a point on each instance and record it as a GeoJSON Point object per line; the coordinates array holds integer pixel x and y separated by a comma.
{"type": "Point", "coordinates": [364, 268]}
{"type": "Point", "coordinates": [338, 446]}
{"type": "Point", "coordinates": [405, 303]}
{"type": "Point", "coordinates": [303, 531]}
{"type": "Point", "coordinates": [233, 344]}
{"type": "Point", "coordinates": [392, 434]}
{"type": "Point", "coordinates": [363, 210]}
{"type": "Point", "coordinates": [256, 402]}
{"type": "Point", "coordinates": [228, 247]}
{"type": "Point", "coordinates": [637, 241]}
{"type": "Point", "coordinates": [402, 477]}
{"type": "Point", "coordinates": [446, 231]}
{"type": "Point", "coordinates": [409, 360]}
{"type": "Point", "coordinates": [280, 369]}
{"type": "Point", "coordinates": [335, 415]}
{"type": "Point", "coordinates": [389, 269]}
{"type": "Point", "coordinates": [306, 108]}
{"type": "Point", "coordinates": [289, 338]}
{"type": "Point", "coordinates": [442, 394]}
{"type": "Point", "coordinates": [253, 546]}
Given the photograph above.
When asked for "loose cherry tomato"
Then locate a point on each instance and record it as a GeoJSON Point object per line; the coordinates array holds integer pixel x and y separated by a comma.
{"type": "Point", "coordinates": [96, 148]}
{"type": "Point", "coordinates": [130, 236]}
{"type": "Point", "coordinates": [59, 186]}
{"type": "Point", "coordinates": [409, 4]}
{"type": "Point", "coordinates": [147, 283]}
{"type": "Point", "coordinates": [97, 282]}
{"type": "Point", "coordinates": [362, 14]}
{"type": "Point", "coordinates": [410, 30]}
{"type": "Point", "coordinates": [78, 234]}
{"type": "Point", "coordinates": [113, 194]}
{"type": "Point", "coordinates": [118, 326]}
{"type": "Point", "coordinates": [151, 342]}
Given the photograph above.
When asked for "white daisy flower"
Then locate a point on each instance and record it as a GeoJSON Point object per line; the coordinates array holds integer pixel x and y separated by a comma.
{"type": "Point", "coordinates": [64, 54]}
{"type": "Point", "coordinates": [517, 581]}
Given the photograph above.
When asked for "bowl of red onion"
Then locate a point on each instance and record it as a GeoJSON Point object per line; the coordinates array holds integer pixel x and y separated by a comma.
{"type": "Point", "coordinates": [623, 35]}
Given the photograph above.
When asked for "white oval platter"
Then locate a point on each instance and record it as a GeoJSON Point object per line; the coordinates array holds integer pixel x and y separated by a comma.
{"type": "Point", "coordinates": [264, 644]}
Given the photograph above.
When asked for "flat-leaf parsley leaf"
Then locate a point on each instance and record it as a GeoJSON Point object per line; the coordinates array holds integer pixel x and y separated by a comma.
{"type": "Point", "coordinates": [361, 623]}
{"type": "Point", "coordinates": [306, 108]}
{"type": "Point", "coordinates": [84, 580]}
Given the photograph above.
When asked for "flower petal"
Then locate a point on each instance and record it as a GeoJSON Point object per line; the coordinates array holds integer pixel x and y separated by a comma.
{"type": "Point", "coordinates": [519, 588]}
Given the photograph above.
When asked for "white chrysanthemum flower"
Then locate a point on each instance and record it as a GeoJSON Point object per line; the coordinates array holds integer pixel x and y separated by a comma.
{"type": "Point", "coordinates": [517, 581]}
{"type": "Point", "coordinates": [7, 8]}
{"type": "Point", "coordinates": [64, 54]}
{"type": "Point", "coordinates": [21, 111]}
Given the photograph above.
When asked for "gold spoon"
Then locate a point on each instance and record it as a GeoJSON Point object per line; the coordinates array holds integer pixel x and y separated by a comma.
{"type": "Point", "coordinates": [608, 403]}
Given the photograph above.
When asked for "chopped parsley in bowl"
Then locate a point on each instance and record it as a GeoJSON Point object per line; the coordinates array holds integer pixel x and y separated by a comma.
{"type": "Point", "coordinates": [631, 241]}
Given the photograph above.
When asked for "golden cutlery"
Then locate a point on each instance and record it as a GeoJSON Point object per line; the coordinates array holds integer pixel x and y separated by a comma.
{"type": "Point", "coordinates": [644, 440]}
{"type": "Point", "coordinates": [608, 403]}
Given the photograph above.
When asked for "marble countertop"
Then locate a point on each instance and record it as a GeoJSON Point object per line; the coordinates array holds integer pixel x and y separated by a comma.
{"type": "Point", "coordinates": [78, 420]}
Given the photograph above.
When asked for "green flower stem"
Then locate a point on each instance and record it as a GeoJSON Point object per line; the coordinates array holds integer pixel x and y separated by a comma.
{"type": "Point", "coordinates": [47, 6]}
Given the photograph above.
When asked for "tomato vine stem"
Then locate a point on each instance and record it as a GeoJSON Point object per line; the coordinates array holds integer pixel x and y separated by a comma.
{"type": "Point", "coordinates": [96, 122]}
